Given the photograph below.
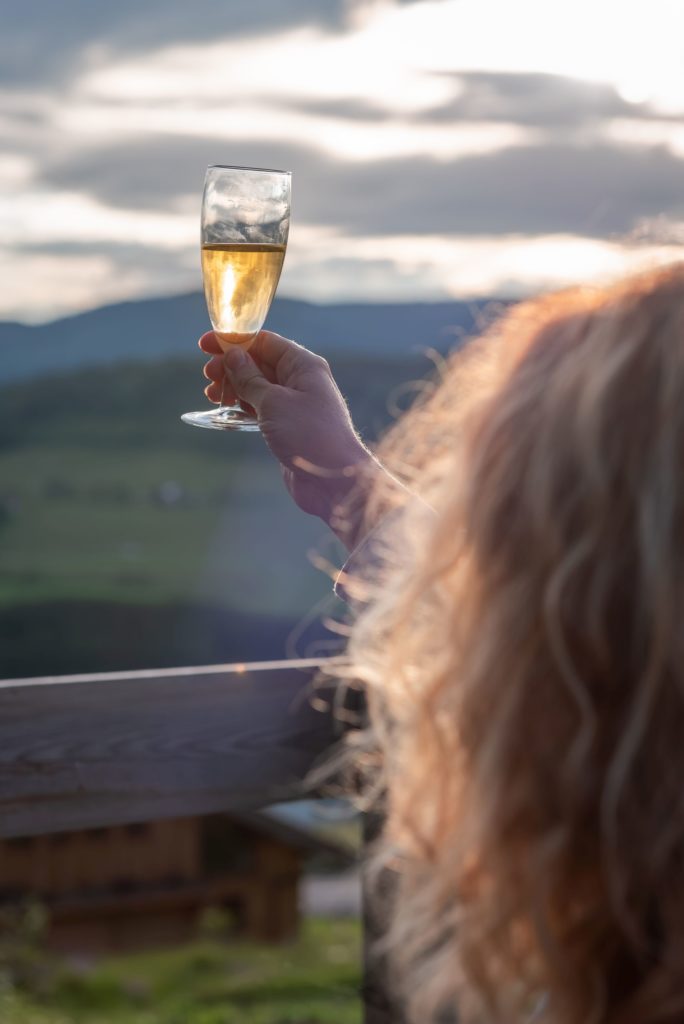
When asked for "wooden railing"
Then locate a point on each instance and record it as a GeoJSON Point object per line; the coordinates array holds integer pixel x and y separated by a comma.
{"type": "Point", "coordinates": [94, 750]}
{"type": "Point", "coordinates": [91, 751]}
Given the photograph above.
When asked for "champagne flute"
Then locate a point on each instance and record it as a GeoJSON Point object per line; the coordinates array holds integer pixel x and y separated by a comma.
{"type": "Point", "coordinates": [245, 223]}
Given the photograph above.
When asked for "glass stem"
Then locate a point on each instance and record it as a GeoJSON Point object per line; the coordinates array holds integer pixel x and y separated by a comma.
{"type": "Point", "coordinates": [223, 388]}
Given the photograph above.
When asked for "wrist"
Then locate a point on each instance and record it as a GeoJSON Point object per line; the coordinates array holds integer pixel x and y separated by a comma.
{"type": "Point", "coordinates": [347, 496]}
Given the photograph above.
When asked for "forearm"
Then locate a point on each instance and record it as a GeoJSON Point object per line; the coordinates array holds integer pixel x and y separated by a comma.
{"type": "Point", "coordinates": [361, 499]}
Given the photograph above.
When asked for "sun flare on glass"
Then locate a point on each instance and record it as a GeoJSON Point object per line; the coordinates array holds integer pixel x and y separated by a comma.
{"type": "Point", "coordinates": [240, 281]}
{"type": "Point", "coordinates": [227, 288]}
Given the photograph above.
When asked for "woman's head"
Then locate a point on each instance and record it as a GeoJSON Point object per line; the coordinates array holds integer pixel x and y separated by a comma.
{"type": "Point", "coordinates": [525, 666]}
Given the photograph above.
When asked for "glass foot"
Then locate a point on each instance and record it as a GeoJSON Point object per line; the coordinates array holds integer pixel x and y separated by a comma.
{"type": "Point", "coordinates": [224, 417]}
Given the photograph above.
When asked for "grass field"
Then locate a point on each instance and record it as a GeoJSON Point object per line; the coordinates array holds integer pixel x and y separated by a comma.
{"type": "Point", "coordinates": [312, 981]}
{"type": "Point", "coordinates": [112, 509]}
{"type": "Point", "coordinates": [108, 496]}
{"type": "Point", "coordinates": [152, 526]}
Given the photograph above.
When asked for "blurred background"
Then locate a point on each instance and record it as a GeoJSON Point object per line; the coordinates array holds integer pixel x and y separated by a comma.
{"type": "Point", "coordinates": [448, 157]}
{"type": "Point", "coordinates": [445, 153]}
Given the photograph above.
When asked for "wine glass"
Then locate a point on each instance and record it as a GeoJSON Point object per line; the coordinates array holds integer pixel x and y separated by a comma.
{"type": "Point", "coordinates": [245, 223]}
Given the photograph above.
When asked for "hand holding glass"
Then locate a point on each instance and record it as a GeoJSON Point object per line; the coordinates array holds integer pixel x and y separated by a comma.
{"type": "Point", "coordinates": [245, 223]}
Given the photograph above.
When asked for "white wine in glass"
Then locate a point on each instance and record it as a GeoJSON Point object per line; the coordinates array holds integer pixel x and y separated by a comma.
{"type": "Point", "coordinates": [239, 283]}
{"type": "Point", "coordinates": [245, 224]}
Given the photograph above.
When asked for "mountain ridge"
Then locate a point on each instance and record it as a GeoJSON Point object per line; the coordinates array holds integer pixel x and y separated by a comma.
{"type": "Point", "coordinates": [168, 326]}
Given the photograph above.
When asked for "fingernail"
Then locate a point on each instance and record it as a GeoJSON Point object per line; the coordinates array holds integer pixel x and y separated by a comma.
{"type": "Point", "coordinates": [234, 358]}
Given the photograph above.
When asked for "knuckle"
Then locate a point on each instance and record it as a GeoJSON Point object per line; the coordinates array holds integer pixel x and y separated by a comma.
{"type": "Point", "coordinates": [319, 363]}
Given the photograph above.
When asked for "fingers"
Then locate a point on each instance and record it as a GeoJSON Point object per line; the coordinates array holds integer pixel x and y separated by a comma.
{"type": "Point", "coordinates": [249, 383]}
{"type": "Point", "coordinates": [267, 347]}
{"type": "Point", "coordinates": [268, 350]}
{"type": "Point", "coordinates": [223, 394]}
{"type": "Point", "coordinates": [280, 357]}
{"type": "Point", "coordinates": [220, 390]}
{"type": "Point", "coordinates": [215, 393]}
{"type": "Point", "coordinates": [209, 344]}
{"type": "Point", "coordinates": [270, 347]}
{"type": "Point", "coordinates": [213, 370]}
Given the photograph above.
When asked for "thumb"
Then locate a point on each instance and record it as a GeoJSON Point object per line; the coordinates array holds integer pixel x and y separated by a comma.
{"type": "Point", "coordinates": [247, 379]}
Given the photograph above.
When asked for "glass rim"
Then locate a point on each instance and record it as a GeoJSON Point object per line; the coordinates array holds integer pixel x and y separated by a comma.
{"type": "Point", "coordinates": [241, 167]}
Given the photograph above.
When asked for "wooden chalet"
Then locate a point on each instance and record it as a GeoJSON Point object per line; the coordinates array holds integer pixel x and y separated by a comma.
{"type": "Point", "coordinates": [128, 886]}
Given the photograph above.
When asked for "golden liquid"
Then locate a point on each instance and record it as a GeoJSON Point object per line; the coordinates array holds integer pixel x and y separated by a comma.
{"type": "Point", "coordinates": [239, 284]}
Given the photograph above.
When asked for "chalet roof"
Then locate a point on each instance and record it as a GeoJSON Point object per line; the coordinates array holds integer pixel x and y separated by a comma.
{"type": "Point", "coordinates": [300, 838]}
{"type": "Point", "coordinates": [271, 825]}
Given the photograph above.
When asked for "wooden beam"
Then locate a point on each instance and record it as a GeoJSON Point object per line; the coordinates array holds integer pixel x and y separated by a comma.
{"type": "Point", "coordinates": [379, 1004]}
{"type": "Point", "coordinates": [95, 750]}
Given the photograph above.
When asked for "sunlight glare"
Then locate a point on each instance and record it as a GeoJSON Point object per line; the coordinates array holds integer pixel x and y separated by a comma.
{"type": "Point", "coordinates": [227, 291]}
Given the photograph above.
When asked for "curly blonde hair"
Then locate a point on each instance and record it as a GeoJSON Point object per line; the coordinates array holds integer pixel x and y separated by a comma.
{"type": "Point", "coordinates": [523, 654]}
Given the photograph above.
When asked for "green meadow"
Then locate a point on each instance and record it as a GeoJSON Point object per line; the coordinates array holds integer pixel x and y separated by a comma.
{"type": "Point", "coordinates": [315, 980]}
{"type": "Point", "coordinates": [130, 540]}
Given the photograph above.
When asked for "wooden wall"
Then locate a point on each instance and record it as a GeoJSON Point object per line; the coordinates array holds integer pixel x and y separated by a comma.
{"type": "Point", "coordinates": [120, 856]}
{"type": "Point", "coordinates": [129, 886]}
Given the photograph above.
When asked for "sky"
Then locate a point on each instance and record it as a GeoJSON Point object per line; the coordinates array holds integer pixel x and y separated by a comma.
{"type": "Point", "coordinates": [440, 149]}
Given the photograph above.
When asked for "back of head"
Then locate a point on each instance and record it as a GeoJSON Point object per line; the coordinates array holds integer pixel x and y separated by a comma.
{"type": "Point", "coordinates": [526, 668]}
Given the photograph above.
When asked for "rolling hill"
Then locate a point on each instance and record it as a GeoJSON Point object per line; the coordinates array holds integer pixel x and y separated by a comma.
{"type": "Point", "coordinates": [152, 329]}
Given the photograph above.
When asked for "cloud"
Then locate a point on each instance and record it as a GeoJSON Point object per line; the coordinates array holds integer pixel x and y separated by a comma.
{"type": "Point", "coordinates": [80, 275]}
{"type": "Point", "coordinates": [488, 111]}
{"type": "Point", "coordinates": [40, 43]}
{"type": "Point", "coordinates": [343, 109]}
{"type": "Point", "coordinates": [146, 256]}
{"type": "Point", "coordinates": [155, 172]}
{"type": "Point", "coordinates": [529, 99]}
{"type": "Point", "coordinates": [75, 276]}
{"type": "Point", "coordinates": [410, 127]}
{"type": "Point", "coordinates": [590, 190]}
{"type": "Point", "coordinates": [597, 190]}
{"type": "Point", "coordinates": [540, 100]}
